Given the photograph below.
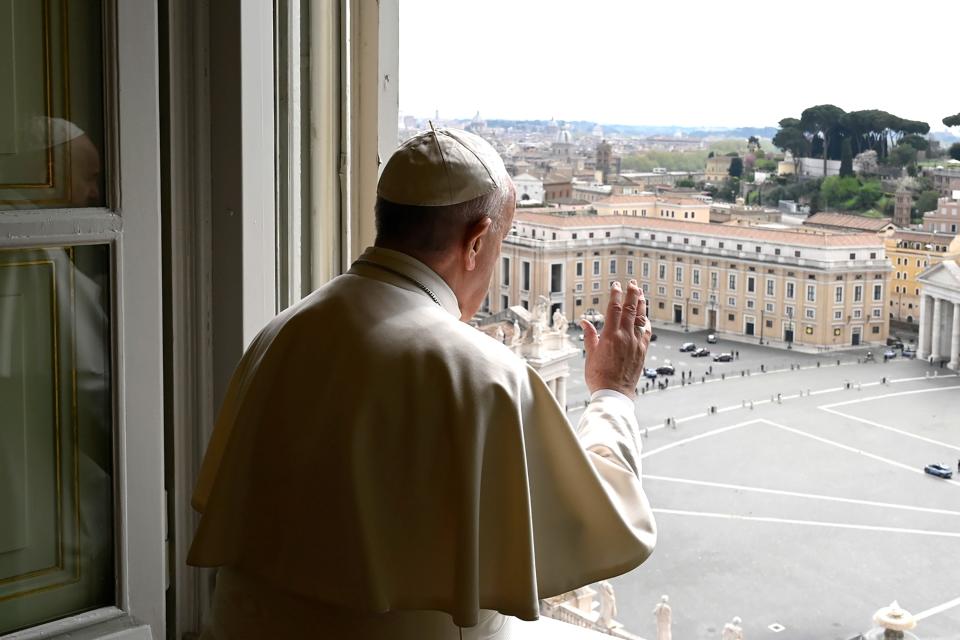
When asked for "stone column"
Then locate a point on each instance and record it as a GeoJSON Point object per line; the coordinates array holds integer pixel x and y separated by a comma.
{"type": "Point", "coordinates": [935, 340]}
{"type": "Point", "coordinates": [923, 341]}
{"type": "Point", "coordinates": [955, 338]}
{"type": "Point", "coordinates": [562, 390]}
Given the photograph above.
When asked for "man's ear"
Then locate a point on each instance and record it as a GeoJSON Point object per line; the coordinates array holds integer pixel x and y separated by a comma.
{"type": "Point", "coordinates": [473, 242]}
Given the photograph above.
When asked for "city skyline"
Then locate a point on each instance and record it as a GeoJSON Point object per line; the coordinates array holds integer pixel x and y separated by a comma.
{"type": "Point", "coordinates": [653, 67]}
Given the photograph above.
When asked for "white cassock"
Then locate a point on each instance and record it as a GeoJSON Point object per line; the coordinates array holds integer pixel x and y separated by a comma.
{"type": "Point", "coordinates": [383, 470]}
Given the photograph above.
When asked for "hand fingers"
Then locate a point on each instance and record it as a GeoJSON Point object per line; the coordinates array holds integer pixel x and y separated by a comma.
{"type": "Point", "coordinates": [615, 308]}
{"type": "Point", "coordinates": [642, 305]}
{"type": "Point", "coordinates": [590, 337]}
{"type": "Point", "coordinates": [630, 306]}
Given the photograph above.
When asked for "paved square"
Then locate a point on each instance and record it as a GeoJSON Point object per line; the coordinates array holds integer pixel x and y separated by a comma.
{"type": "Point", "coordinates": [809, 512]}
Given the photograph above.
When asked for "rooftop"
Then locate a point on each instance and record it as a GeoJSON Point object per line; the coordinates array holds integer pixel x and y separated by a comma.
{"type": "Point", "coordinates": [802, 237]}
{"type": "Point", "coordinates": [849, 221]}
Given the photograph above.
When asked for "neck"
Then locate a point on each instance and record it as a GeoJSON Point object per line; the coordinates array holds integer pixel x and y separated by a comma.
{"type": "Point", "coordinates": [444, 264]}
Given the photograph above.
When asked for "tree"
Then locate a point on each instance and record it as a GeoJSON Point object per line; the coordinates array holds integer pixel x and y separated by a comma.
{"type": "Point", "coordinates": [839, 193]}
{"type": "Point", "coordinates": [952, 121]}
{"type": "Point", "coordinates": [927, 201]}
{"type": "Point", "coordinates": [903, 155]}
{"type": "Point", "coordinates": [846, 159]}
{"type": "Point", "coordinates": [955, 151]}
{"type": "Point", "coordinates": [736, 167]}
{"type": "Point", "coordinates": [916, 141]}
{"type": "Point", "coordinates": [790, 138]}
{"type": "Point", "coordinates": [822, 121]}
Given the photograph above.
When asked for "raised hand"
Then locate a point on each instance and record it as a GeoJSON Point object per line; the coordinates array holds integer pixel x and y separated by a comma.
{"type": "Point", "coordinates": [615, 357]}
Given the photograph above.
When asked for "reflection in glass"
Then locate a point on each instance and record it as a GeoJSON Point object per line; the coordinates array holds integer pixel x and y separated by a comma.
{"type": "Point", "coordinates": [56, 461]}
{"type": "Point", "coordinates": [51, 104]}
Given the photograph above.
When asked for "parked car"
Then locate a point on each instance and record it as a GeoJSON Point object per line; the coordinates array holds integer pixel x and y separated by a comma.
{"type": "Point", "coordinates": [723, 357]}
{"type": "Point", "coordinates": [939, 470]}
{"type": "Point", "coordinates": [895, 342]}
{"type": "Point", "coordinates": [712, 338]}
{"type": "Point", "coordinates": [700, 353]}
{"type": "Point", "coordinates": [650, 372]}
{"type": "Point", "coordinates": [688, 346]}
{"type": "Point", "coordinates": [909, 352]}
{"type": "Point", "coordinates": [889, 354]}
{"type": "Point", "coordinates": [665, 370]}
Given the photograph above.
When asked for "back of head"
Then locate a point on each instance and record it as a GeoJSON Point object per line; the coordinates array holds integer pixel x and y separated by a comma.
{"type": "Point", "coordinates": [437, 184]}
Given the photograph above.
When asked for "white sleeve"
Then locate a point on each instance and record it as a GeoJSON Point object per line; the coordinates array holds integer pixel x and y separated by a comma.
{"type": "Point", "coordinates": [609, 428]}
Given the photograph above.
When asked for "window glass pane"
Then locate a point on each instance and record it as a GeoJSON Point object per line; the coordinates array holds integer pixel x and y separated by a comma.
{"type": "Point", "coordinates": [56, 460]}
{"type": "Point", "coordinates": [51, 104]}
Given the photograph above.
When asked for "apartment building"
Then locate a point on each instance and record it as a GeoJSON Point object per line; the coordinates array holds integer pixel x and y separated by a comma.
{"type": "Point", "coordinates": [910, 254]}
{"type": "Point", "coordinates": [717, 169]}
{"type": "Point", "coordinates": [945, 218]}
{"type": "Point", "coordinates": [809, 287]}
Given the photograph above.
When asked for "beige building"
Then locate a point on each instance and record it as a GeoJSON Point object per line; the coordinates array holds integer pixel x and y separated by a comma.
{"type": "Point", "coordinates": [718, 168]}
{"type": "Point", "coordinates": [940, 311]}
{"type": "Point", "coordinates": [815, 288]}
{"type": "Point", "coordinates": [945, 218]}
{"type": "Point", "coordinates": [651, 206]}
{"type": "Point", "coordinates": [910, 253]}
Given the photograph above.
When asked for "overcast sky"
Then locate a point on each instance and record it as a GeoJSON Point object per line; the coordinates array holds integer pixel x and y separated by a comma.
{"type": "Point", "coordinates": [674, 62]}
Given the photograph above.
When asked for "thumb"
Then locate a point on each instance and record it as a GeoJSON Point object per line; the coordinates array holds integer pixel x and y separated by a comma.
{"type": "Point", "coordinates": [590, 336]}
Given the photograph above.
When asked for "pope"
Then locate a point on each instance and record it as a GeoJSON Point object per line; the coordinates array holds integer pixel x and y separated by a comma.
{"type": "Point", "coordinates": [381, 469]}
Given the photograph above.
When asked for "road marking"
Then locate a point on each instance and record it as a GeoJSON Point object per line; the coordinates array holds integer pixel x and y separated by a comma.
{"type": "Point", "coordinates": [940, 608]}
{"type": "Point", "coordinates": [829, 409]}
{"type": "Point", "coordinates": [809, 523]}
{"type": "Point", "coordinates": [797, 494]}
{"type": "Point", "coordinates": [708, 434]}
{"type": "Point", "coordinates": [845, 447]}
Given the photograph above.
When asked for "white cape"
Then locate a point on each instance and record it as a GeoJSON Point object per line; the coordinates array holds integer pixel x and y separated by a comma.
{"type": "Point", "coordinates": [375, 453]}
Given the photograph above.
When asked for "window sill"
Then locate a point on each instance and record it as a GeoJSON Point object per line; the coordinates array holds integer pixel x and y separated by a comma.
{"type": "Point", "coordinates": [103, 624]}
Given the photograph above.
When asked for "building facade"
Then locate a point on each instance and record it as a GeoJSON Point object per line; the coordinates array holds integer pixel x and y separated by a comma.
{"type": "Point", "coordinates": [818, 289]}
{"type": "Point", "coordinates": [718, 169]}
{"type": "Point", "coordinates": [940, 313]}
{"type": "Point", "coordinates": [911, 253]}
{"type": "Point", "coordinates": [649, 205]}
{"type": "Point", "coordinates": [945, 218]}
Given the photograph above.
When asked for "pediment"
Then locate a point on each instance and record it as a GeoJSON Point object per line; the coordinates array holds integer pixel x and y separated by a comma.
{"type": "Point", "coordinates": [946, 274]}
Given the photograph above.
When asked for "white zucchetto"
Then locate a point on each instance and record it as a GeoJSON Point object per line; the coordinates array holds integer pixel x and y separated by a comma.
{"type": "Point", "coordinates": [441, 167]}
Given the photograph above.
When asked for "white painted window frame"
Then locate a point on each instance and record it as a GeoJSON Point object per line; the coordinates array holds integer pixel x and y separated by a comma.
{"type": "Point", "coordinates": [131, 226]}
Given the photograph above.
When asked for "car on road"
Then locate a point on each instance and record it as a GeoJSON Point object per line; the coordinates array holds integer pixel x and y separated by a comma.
{"type": "Point", "coordinates": [889, 354]}
{"type": "Point", "coordinates": [723, 357]}
{"type": "Point", "coordinates": [938, 470]}
{"type": "Point", "coordinates": [909, 352]}
{"type": "Point", "coordinates": [712, 338]}
{"type": "Point", "coordinates": [650, 372]}
{"type": "Point", "coordinates": [665, 370]}
{"type": "Point", "coordinates": [688, 346]}
{"type": "Point", "coordinates": [700, 353]}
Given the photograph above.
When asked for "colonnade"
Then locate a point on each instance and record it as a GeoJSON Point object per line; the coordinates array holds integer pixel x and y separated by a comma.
{"type": "Point", "coordinates": [939, 318]}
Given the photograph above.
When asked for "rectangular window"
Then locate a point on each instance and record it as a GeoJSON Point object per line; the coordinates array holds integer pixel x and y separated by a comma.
{"type": "Point", "coordinates": [732, 282]}
{"type": "Point", "coordinates": [769, 307]}
{"type": "Point", "coordinates": [751, 303]}
{"type": "Point", "coordinates": [796, 254]}
{"type": "Point", "coordinates": [504, 302]}
{"type": "Point", "coordinates": [678, 293]}
{"type": "Point", "coordinates": [696, 277]}
{"type": "Point", "coordinates": [596, 267]}
{"type": "Point", "coordinates": [695, 295]}
{"type": "Point", "coordinates": [838, 294]}
{"type": "Point", "coordinates": [525, 276]}
{"type": "Point", "coordinates": [751, 284]}
{"type": "Point", "coordinates": [596, 285]}
{"type": "Point", "coordinates": [505, 271]}
{"type": "Point", "coordinates": [811, 293]}
{"type": "Point", "coordinates": [629, 267]}
{"type": "Point", "coordinates": [714, 277]}
{"type": "Point", "coordinates": [556, 278]}
{"type": "Point", "coordinates": [857, 314]}
{"type": "Point", "coordinates": [731, 302]}
{"type": "Point", "coordinates": [662, 271]}
{"type": "Point", "coordinates": [661, 291]}
{"type": "Point", "coordinates": [878, 292]}
{"type": "Point", "coordinates": [877, 312]}
{"type": "Point", "coordinates": [790, 290]}
{"type": "Point", "coordinates": [810, 313]}
{"type": "Point", "coordinates": [770, 286]}
{"type": "Point", "coordinates": [645, 270]}
{"type": "Point", "coordinates": [838, 314]}
{"type": "Point", "coordinates": [579, 269]}
{"type": "Point", "coordinates": [678, 275]}
{"type": "Point", "coordinates": [858, 293]}
{"type": "Point", "coordinates": [613, 267]}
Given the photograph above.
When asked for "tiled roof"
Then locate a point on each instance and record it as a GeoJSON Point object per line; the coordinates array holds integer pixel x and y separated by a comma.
{"type": "Point", "coordinates": [848, 221]}
{"type": "Point", "coordinates": [803, 237]}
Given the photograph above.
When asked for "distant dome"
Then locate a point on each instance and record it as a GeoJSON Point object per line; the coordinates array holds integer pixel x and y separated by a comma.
{"type": "Point", "coordinates": [564, 137]}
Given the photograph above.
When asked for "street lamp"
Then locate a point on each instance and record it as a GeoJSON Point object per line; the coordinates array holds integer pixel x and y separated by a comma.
{"type": "Point", "coordinates": [686, 321]}
{"type": "Point", "coordinates": [790, 325]}
{"type": "Point", "coordinates": [761, 325]}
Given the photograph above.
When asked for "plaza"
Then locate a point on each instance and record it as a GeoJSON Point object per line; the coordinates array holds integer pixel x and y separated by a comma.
{"type": "Point", "coordinates": [795, 498]}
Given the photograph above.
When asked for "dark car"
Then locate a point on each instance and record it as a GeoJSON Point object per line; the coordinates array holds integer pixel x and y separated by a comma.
{"type": "Point", "coordinates": [712, 338]}
{"type": "Point", "coordinates": [895, 342]}
{"type": "Point", "coordinates": [665, 370]}
{"type": "Point", "coordinates": [650, 372]}
{"type": "Point", "coordinates": [723, 357]}
{"type": "Point", "coordinates": [938, 470]}
{"type": "Point", "coordinates": [700, 353]}
{"type": "Point", "coordinates": [688, 346]}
